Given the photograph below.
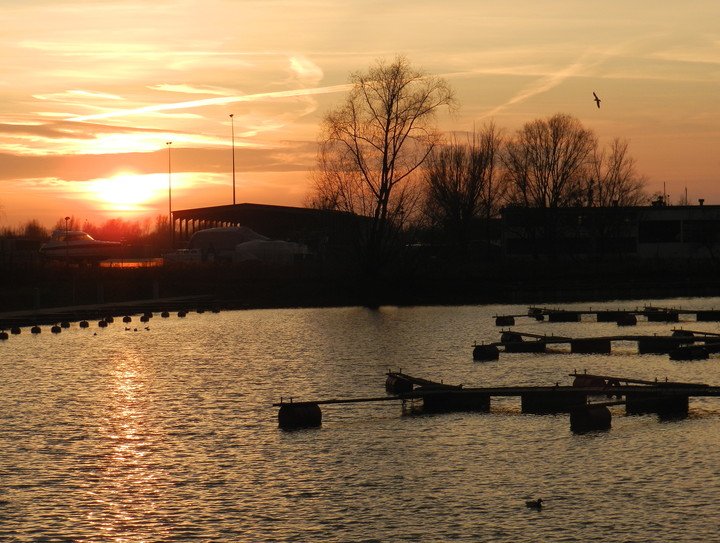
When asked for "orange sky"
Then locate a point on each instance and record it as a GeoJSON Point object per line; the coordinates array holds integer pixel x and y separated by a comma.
{"type": "Point", "coordinates": [93, 91]}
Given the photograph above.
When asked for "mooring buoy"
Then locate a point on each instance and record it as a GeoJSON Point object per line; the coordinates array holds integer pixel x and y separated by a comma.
{"type": "Point", "coordinates": [299, 415]}
{"type": "Point", "coordinates": [504, 320]}
{"type": "Point", "coordinates": [396, 385]}
{"type": "Point", "coordinates": [587, 418]}
{"type": "Point", "coordinates": [486, 352]}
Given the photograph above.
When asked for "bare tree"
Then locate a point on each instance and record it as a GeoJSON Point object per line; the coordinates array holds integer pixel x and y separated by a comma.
{"type": "Point", "coordinates": [461, 182]}
{"type": "Point", "coordinates": [614, 180]}
{"type": "Point", "coordinates": [372, 146]}
{"type": "Point", "coordinates": [546, 162]}
{"type": "Point", "coordinates": [338, 186]}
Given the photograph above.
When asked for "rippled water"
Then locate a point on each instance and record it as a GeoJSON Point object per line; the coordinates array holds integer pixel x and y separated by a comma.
{"type": "Point", "coordinates": [169, 434]}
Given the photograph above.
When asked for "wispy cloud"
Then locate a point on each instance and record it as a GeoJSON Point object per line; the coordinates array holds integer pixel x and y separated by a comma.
{"type": "Point", "coordinates": [215, 101]}
{"type": "Point", "coordinates": [190, 89]}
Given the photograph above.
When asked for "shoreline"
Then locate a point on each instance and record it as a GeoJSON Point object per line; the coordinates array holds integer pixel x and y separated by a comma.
{"type": "Point", "coordinates": [52, 315]}
{"type": "Point", "coordinates": [31, 296]}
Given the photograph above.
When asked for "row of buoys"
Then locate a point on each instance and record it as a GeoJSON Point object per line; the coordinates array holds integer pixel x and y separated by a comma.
{"type": "Point", "coordinates": [57, 328]}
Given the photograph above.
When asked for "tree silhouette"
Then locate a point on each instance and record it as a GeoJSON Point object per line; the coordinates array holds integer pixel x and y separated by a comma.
{"type": "Point", "coordinates": [372, 145]}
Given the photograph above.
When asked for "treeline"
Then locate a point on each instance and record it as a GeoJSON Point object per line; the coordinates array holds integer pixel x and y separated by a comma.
{"type": "Point", "coordinates": [382, 156]}
{"type": "Point", "coordinates": [148, 231]}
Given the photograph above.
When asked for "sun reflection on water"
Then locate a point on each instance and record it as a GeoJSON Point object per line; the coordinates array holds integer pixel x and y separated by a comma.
{"type": "Point", "coordinates": [129, 483]}
{"type": "Point", "coordinates": [170, 434]}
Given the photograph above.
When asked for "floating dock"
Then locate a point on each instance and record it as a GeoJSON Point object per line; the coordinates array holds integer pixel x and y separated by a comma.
{"type": "Point", "coordinates": [623, 317]}
{"type": "Point", "coordinates": [680, 345]}
{"type": "Point", "coordinates": [666, 398]}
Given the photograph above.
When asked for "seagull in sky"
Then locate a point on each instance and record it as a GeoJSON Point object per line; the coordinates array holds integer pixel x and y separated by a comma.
{"type": "Point", "coordinates": [597, 100]}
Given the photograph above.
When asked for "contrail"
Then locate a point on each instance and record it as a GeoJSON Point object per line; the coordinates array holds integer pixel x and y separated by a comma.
{"type": "Point", "coordinates": [553, 80]}
{"type": "Point", "coordinates": [541, 85]}
{"type": "Point", "coordinates": [216, 101]}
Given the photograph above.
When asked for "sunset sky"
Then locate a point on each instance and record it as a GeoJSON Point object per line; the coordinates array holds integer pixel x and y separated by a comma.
{"type": "Point", "coordinates": [91, 92]}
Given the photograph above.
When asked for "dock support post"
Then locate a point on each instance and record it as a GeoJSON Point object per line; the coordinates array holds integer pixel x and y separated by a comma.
{"type": "Point", "coordinates": [665, 405]}
{"type": "Point", "coordinates": [455, 402]}
{"type": "Point", "coordinates": [486, 352]}
{"type": "Point", "coordinates": [394, 384]}
{"type": "Point", "coordinates": [627, 319]}
{"type": "Point", "coordinates": [564, 316]}
{"type": "Point", "coordinates": [660, 345]}
{"type": "Point", "coordinates": [609, 316]}
{"type": "Point", "coordinates": [586, 418]}
{"type": "Point", "coordinates": [543, 403]}
{"type": "Point", "coordinates": [662, 316]}
{"type": "Point", "coordinates": [590, 346]}
{"type": "Point", "coordinates": [299, 415]}
{"type": "Point", "coordinates": [526, 347]}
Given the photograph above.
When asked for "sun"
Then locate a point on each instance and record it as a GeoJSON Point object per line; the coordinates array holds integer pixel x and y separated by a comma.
{"type": "Point", "coordinates": [126, 192]}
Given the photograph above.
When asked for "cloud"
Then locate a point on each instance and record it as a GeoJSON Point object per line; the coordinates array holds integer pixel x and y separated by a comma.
{"type": "Point", "coordinates": [305, 69]}
{"type": "Point", "coordinates": [190, 89]}
{"type": "Point", "coordinates": [263, 96]}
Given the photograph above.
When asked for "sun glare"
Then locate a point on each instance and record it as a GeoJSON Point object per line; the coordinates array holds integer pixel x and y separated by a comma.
{"type": "Point", "coordinates": [128, 192]}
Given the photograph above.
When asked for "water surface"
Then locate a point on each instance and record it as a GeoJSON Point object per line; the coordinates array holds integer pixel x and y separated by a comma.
{"type": "Point", "coordinates": [169, 434]}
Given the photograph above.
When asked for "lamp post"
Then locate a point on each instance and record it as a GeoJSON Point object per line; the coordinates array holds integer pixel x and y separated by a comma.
{"type": "Point", "coordinates": [232, 133]}
{"type": "Point", "coordinates": [170, 224]}
{"type": "Point", "coordinates": [67, 243]}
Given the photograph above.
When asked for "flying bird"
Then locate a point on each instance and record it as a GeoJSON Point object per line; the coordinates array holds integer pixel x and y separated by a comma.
{"type": "Point", "coordinates": [597, 100]}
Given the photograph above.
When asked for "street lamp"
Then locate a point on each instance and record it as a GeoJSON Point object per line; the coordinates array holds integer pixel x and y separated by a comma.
{"type": "Point", "coordinates": [232, 132]}
{"type": "Point", "coordinates": [170, 224]}
{"type": "Point", "coordinates": [67, 246]}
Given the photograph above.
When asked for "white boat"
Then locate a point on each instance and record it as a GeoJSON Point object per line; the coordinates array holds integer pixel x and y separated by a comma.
{"type": "Point", "coordinates": [183, 255]}
{"type": "Point", "coordinates": [76, 245]}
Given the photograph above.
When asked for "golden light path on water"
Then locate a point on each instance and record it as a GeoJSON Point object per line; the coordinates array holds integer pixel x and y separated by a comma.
{"type": "Point", "coordinates": [166, 432]}
{"type": "Point", "coordinates": [127, 487]}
